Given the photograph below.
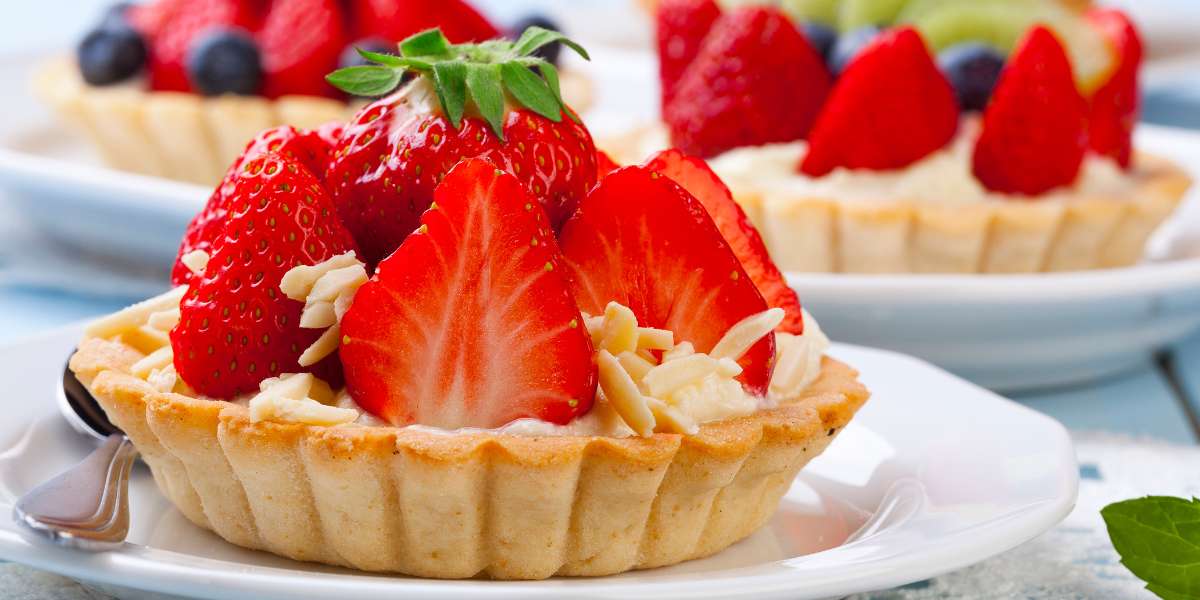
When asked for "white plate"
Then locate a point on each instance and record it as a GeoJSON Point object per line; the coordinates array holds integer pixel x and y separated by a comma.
{"type": "Point", "coordinates": [945, 473]}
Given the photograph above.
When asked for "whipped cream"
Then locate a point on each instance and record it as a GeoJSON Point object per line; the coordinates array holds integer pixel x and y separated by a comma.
{"type": "Point", "coordinates": [944, 176]}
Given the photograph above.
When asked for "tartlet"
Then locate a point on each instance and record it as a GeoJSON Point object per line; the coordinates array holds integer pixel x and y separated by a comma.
{"type": "Point", "coordinates": [850, 153]}
{"type": "Point", "coordinates": [484, 355]}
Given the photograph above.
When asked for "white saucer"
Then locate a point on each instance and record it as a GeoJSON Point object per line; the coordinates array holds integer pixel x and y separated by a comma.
{"type": "Point", "coordinates": [934, 474]}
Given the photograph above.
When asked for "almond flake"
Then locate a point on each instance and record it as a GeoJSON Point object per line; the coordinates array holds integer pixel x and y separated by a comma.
{"type": "Point", "coordinates": [747, 332]}
{"type": "Point", "coordinates": [324, 346]}
{"type": "Point", "coordinates": [623, 394]}
{"type": "Point", "coordinates": [620, 330]}
{"type": "Point", "coordinates": [134, 316]}
{"type": "Point", "coordinates": [196, 261]}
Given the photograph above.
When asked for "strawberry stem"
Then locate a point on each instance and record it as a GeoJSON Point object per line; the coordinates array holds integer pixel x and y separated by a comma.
{"type": "Point", "coordinates": [480, 74]}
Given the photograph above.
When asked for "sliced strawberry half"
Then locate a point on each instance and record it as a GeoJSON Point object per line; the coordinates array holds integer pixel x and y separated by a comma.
{"type": "Point", "coordinates": [699, 180]}
{"type": "Point", "coordinates": [756, 80]}
{"type": "Point", "coordinates": [1035, 128]}
{"type": "Point", "coordinates": [300, 41]}
{"type": "Point", "coordinates": [890, 108]}
{"type": "Point", "coordinates": [310, 148]}
{"type": "Point", "coordinates": [641, 240]}
{"type": "Point", "coordinates": [170, 33]}
{"type": "Point", "coordinates": [471, 322]}
{"type": "Point", "coordinates": [236, 328]}
{"type": "Point", "coordinates": [1114, 107]}
{"type": "Point", "coordinates": [681, 26]}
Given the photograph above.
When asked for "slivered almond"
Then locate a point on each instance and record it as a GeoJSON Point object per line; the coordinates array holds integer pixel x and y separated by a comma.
{"type": "Point", "coordinates": [342, 303]}
{"type": "Point", "coordinates": [623, 394]}
{"type": "Point", "coordinates": [302, 410]}
{"type": "Point", "coordinates": [196, 261]}
{"type": "Point", "coordinates": [727, 367]}
{"type": "Point", "coordinates": [324, 346]}
{"type": "Point", "coordinates": [288, 385]}
{"type": "Point", "coordinates": [664, 379]}
{"type": "Point", "coordinates": [155, 360]}
{"type": "Point", "coordinates": [298, 281]}
{"type": "Point", "coordinates": [650, 338]}
{"type": "Point", "coordinates": [163, 379]}
{"type": "Point", "coordinates": [620, 329]}
{"type": "Point", "coordinates": [134, 316]}
{"type": "Point", "coordinates": [670, 418]}
{"type": "Point", "coordinates": [318, 315]}
{"type": "Point", "coordinates": [746, 333]}
{"type": "Point", "coordinates": [327, 288]}
{"type": "Point", "coordinates": [636, 366]}
{"type": "Point", "coordinates": [680, 350]}
{"type": "Point", "coordinates": [164, 320]}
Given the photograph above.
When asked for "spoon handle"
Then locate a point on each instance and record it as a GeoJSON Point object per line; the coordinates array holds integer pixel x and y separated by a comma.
{"type": "Point", "coordinates": [86, 506]}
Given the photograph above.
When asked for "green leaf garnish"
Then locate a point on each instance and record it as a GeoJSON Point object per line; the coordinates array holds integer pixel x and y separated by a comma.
{"type": "Point", "coordinates": [366, 81]}
{"type": "Point", "coordinates": [469, 78]}
{"type": "Point", "coordinates": [1158, 538]}
{"type": "Point", "coordinates": [484, 86]}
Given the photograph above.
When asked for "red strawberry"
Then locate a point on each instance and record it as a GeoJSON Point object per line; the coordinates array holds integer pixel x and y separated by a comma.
{"type": "Point", "coordinates": [890, 108]}
{"type": "Point", "coordinates": [755, 81]}
{"type": "Point", "coordinates": [694, 176]}
{"type": "Point", "coordinates": [300, 41]}
{"type": "Point", "coordinates": [1114, 107]}
{"type": "Point", "coordinates": [236, 328]}
{"type": "Point", "coordinates": [171, 32]}
{"type": "Point", "coordinates": [397, 149]}
{"type": "Point", "coordinates": [398, 19]}
{"type": "Point", "coordinates": [310, 148]}
{"type": "Point", "coordinates": [1035, 128]}
{"type": "Point", "coordinates": [471, 323]}
{"type": "Point", "coordinates": [681, 28]}
{"type": "Point", "coordinates": [604, 164]}
{"type": "Point", "coordinates": [641, 240]}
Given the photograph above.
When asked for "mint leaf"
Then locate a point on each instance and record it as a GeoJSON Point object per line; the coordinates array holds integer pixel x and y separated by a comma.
{"type": "Point", "coordinates": [1158, 538]}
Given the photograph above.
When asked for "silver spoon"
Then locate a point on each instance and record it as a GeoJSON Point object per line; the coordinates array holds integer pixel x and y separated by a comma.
{"type": "Point", "coordinates": [86, 506]}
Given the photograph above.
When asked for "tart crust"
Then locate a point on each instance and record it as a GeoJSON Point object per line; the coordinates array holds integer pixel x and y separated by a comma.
{"type": "Point", "coordinates": [457, 505]}
{"type": "Point", "coordinates": [817, 234]}
{"type": "Point", "coordinates": [189, 137]}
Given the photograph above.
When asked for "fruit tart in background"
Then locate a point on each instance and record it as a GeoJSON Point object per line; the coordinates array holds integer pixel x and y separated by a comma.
{"type": "Point", "coordinates": [456, 341]}
{"type": "Point", "coordinates": [175, 88]}
{"type": "Point", "coordinates": [924, 136]}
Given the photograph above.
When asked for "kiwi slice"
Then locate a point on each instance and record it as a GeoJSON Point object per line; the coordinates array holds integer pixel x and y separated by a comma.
{"type": "Point", "coordinates": [1002, 23]}
{"type": "Point", "coordinates": [819, 11]}
{"type": "Point", "coordinates": [853, 14]}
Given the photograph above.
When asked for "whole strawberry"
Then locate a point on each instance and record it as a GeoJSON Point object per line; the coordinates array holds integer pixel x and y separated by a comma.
{"type": "Point", "coordinates": [469, 100]}
{"type": "Point", "coordinates": [300, 41]}
{"type": "Point", "coordinates": [681, 26]}
{"type": "Point", "coordinates": [236, 328]}
{"type": "Point", "coordinates": [756, 80]}
{"type": "Point", "coordinates": [310, 148]}
{"type": "Point", "coordinates": [171, 28]}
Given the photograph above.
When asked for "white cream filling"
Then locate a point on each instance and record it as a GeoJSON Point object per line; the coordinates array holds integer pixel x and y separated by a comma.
{"type": "Point", "coordinates": [944, 176]}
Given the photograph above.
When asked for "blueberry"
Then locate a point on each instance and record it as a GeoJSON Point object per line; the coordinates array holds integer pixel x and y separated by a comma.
{"type": "Point", "coordinates": [549, 52]}
{"type": "Point", "coordinates": [972, 69]}
{"type": "Point", "coordinates": [820, 36]}
{"type": "Point", "coordinates": [224, 61]}
{"type": "Point", "coordinates": [351, 58]}
{"type": "Point", "coordinates": [847, 47]}
{"type": "Point", "coordinates": [110, 53]}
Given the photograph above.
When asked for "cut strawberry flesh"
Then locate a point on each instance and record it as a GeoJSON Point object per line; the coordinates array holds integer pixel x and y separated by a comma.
{"type": "Point", "coordinates": [642, 240]}
{"type": "Point", "coordinates": [471, 322]}
{"type": "Point", "coordinates": [702, 183]}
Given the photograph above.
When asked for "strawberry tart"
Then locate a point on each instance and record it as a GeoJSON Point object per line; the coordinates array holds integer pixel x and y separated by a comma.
{"type": "Point", "coordinates": [472, 346]}
{"type": "Point", "coordinates": [989, 137]}
{"type": "Point", "coordinates": [175, 88]}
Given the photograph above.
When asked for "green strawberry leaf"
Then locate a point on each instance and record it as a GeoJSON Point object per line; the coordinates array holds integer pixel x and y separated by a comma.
{"type": "Point", "coordinates": [530, 90]}
{"type": "Point", "coordinates": [535, 37]}
{"type": "Point", "coordinates": [365, 81]}
{"type": "Point", "coordinates": [450, 81]}
{"type": "Point", "coordinates": [1158, 538]}
{"type": "Point", "coordinates": [483, 84]}
{"type": "Point", "coordinates": [550, 74]}
{"type": "Point", "coordinates": [430, 42]}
